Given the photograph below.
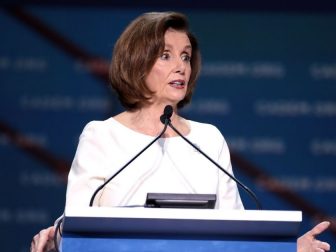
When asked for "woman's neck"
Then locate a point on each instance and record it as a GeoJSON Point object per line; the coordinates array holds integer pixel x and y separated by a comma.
{"type": "Point", "coordinates": [147, 121]}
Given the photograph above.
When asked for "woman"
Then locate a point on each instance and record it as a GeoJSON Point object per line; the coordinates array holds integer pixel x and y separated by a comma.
{"type": "Point", "coordinates": [156, 62]}
{"type": "Point", "coordinates": [149, 72]}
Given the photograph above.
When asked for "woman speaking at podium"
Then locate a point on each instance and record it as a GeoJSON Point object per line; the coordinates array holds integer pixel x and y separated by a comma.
{"type": "Point", "coordinates": [156, 62]}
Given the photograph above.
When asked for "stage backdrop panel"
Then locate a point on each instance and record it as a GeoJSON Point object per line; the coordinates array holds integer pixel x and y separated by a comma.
{"type": "Point", "coordinates": [268, 83]}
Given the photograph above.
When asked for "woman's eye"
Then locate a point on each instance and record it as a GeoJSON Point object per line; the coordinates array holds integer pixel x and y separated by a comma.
{"type": "Point", "coordinates": [186, 57]}
{"type": "Point", "coordinates": [164, 56]}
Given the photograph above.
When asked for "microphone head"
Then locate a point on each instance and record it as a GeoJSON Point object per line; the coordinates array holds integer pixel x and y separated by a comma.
{"type": "Point", "coordinates": [167, 113]}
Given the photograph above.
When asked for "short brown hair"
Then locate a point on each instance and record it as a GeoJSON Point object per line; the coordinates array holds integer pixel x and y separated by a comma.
{"type": "Point", "coordinates": [136, 51]}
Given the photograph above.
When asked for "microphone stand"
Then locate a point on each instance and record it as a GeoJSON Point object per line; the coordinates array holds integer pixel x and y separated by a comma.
{"type": "Point", "coordinates": [164, 118]}
{"type": "Point", "coordinates": [129, 162]}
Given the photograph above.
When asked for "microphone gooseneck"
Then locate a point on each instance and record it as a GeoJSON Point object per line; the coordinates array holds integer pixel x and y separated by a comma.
{"type": "Point", "coordinates": [166, 119]}
{"type": "Point", "coordinates": [246, 189]}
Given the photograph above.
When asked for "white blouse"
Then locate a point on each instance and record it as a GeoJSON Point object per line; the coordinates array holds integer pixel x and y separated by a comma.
{"type": "Point", "coordinates": [170, 165]}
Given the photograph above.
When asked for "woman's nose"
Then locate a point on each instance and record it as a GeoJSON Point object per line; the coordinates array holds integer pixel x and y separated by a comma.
{"type": "Point", "coordinates": [180, 66]}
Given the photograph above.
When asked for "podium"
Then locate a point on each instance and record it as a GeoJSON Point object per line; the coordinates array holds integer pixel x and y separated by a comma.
{"type": "Point", "coordinates": [166, 229]}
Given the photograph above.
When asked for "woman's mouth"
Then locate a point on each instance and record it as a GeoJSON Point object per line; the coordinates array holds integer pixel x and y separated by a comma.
{"type": "Point", "coordinates": [177, 84]}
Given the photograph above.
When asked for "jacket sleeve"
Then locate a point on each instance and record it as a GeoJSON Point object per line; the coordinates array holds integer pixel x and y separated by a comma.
{"type": "Point", "coordinates": [88, 167]}
{"type": "Point", "coordinates": [227, 192]}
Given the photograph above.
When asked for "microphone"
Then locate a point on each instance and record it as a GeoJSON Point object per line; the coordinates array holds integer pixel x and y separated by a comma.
{"type": "Point", "coordinates": [167, 114]}
{"type": "Point", "coordinates": [165, 119]}
{"type": "Point", "coordinates": [168, 110]}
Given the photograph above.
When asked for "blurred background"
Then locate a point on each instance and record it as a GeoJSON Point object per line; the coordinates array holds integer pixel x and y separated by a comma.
{"type": "Point", "coordinates": [268, 83]}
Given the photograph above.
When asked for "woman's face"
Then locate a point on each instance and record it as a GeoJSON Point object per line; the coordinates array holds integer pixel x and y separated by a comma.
{"type": "Point", "coordinates": [170, 74]}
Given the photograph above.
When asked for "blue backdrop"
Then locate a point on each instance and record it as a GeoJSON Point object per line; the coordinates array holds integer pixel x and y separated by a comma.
{"type": "Point", "coordinates": [268, 82]}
